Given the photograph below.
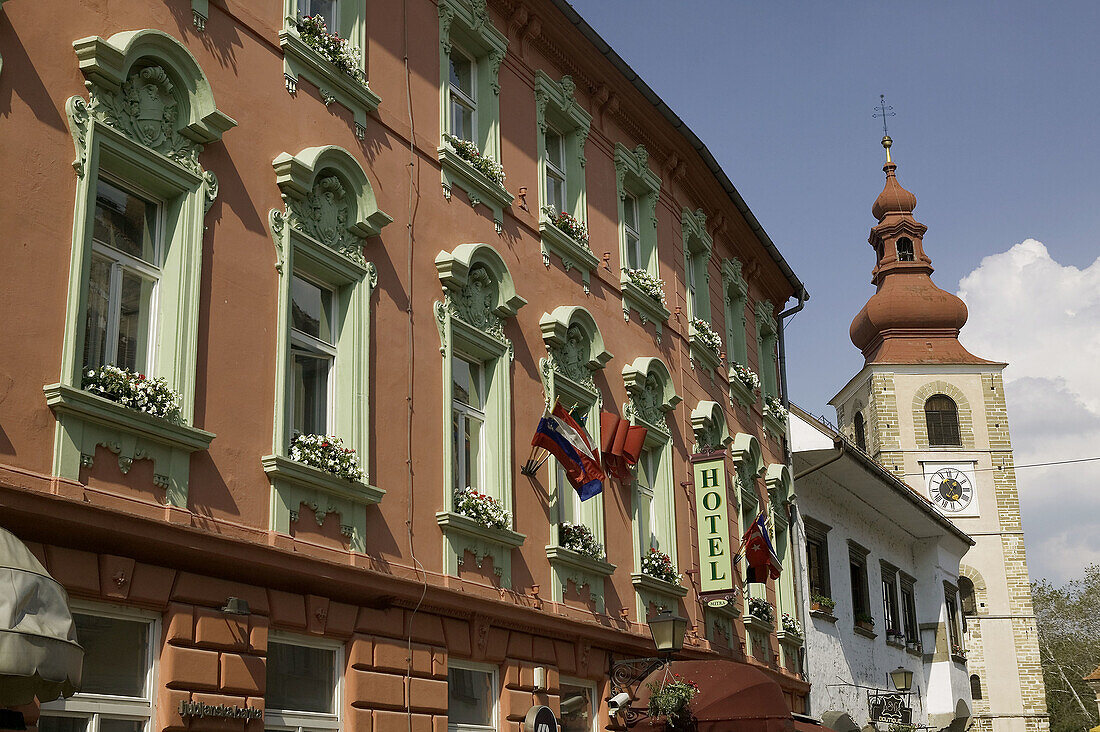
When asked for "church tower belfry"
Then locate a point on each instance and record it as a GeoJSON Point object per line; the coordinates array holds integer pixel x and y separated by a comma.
{"type": "Point", "coordinates": [935, 415]}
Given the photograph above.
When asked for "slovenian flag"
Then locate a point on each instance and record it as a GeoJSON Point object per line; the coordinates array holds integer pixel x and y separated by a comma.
{"type": "Point", "coordinates": [560, 435]}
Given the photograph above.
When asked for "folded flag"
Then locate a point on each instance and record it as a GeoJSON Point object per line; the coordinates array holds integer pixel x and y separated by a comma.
{"type": "Point", "coordinates": [621, 445]}
{"type": "Point", "coordinates": [758, 552]}
{"type": "Point", "coordinates": [564, 438]}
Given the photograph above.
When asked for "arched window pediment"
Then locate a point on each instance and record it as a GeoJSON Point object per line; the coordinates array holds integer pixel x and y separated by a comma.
{"type": "Point", "coordinates": [329, 198]}
{"type": "Point", "coordinates": [708, 421]}
{"type": "Point", "coordinates": [478, 290]}
{"type": "Point", "coordinates": [777, 477]}
{"type": "Point", "coordinates": [574, 344]}
{"type": "Point", "coordinates": [652, 394]}
{"type": "Point", "coordinates": [146, 85]}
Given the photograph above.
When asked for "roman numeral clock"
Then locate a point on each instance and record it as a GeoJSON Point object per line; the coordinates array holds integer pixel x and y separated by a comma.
{"type": "Point", "coordinates": [950, 488]}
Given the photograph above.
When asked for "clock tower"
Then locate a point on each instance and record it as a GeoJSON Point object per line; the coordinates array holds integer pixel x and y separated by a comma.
{"type": "Point", "coordinates": [935, 415]}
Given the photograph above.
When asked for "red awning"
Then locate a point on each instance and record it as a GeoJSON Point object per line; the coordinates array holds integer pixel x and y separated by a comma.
{"type": "Point", "coordinates": [733, 697]}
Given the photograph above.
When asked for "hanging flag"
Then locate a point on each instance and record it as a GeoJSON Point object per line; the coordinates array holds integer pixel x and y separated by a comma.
{"type": "Point", "coordinates": [758, 552]}
{"type": "Point", "coordinates": [564, 438]}
{"type": "Point", "coordinates": [621, 445]}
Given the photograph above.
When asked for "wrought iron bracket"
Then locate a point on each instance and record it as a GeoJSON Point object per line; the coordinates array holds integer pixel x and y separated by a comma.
{"type": "Point", "coordinates": [627, 674]}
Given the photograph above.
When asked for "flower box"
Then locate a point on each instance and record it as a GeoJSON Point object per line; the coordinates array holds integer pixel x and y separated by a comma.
{"type": "Point", "coordinates": [790, 625]}
{"type": "Point", "coordinates": [761, 609]}
{"type": "Point", "coordinates": [330, 46]}
{"type": "Point", "coordinates": [133, 391]}
{"type": "Point", "coordinates": [658, 565]}
{"type": "Point", "coordinates": [326, 453]}
{"type": "Point", "coordinates": [653, 287]}
{"type": "Point", "coordinates": [469, 152]}
{"type": "Point", "coordinates": [482, 509]}
{"type": "Point", "coordinates": [580, 539]}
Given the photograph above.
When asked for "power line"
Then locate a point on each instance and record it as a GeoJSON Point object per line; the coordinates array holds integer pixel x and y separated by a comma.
{"type": "Point", "coordinates": [1031, 465]}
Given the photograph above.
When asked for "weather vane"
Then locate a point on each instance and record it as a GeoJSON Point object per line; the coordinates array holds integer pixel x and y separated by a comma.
{"type": "Point", "coordinates": [884, 111]}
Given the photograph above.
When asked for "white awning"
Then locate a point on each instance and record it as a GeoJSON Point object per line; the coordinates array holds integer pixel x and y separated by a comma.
{"type": "Point", "coordinates": [39, 655]}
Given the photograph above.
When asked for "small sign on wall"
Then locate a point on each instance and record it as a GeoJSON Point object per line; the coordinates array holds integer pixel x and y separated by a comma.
{"type": "Point", "coordinates": [713, 525]}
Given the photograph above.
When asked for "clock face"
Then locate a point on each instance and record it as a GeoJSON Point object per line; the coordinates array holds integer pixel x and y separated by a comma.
{"type": "Point", "coordinates": [950, 490]}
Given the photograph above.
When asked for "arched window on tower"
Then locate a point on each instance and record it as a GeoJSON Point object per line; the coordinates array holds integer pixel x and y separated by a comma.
{"type": "Point", "coordinates": [975, 686]}
{"type": "Point", "coordinates": [968, 598]}
{"type": "Point", "coordinates": [941, 415]}
{"type": "Point", "coordinates": [905, 249]}
{"type": "Point", "coordinates": [861, 432]}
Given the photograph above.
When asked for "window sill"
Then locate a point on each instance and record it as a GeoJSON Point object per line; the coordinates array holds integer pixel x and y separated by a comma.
{"type": "Point", "coordinates": [702, 355]}
{"type": "Point", "coordinates": [745, 396]}
{"type": "Point", "coordinates": [900, 645]}
{"type": "Point", "coordinates": [774, 426]}
{"type": "Point", "coordinates": [478, 186]}
{"type": "Point", "coordinates": [89, 420]}
{"type": "Point", "coordinates": [651, 590]}
{"type": "Point", "coordinates": [300, 59]}
{"type": "Point", "coordinates": [571, 252]}
{"type": "Point", "coordinates": [648, 309]}
{"type": "Point", "coordinates": [758, 624]}
{"type": "Point", "coordinates": [823, 615]}
{"type": "Point", "coordinates": [295, 484]}
{"type": "Point", "coordinates": [958, 659]}
{"type": "Point", "coordinates": [463, 534]}
{"type": "Point", "coordinates": [864, 632]}
{"type": "Point", "coordinates": [570, 565]}
{"type": "Point", "coordinates": [918, 652]}
{"type": "Point", "coordinates": [788, 638]}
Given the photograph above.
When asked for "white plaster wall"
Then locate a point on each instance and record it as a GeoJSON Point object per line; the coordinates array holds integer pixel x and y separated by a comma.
{"type": "Point", "coordinates": [835, 653]}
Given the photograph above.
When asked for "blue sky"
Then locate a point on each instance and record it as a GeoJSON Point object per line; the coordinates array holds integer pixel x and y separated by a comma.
{"type": "Point", "coordinates": [995, 108]}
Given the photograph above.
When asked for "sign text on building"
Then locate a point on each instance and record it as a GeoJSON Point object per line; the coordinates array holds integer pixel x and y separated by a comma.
{"type": "Point", "coordinates": [713, 525]}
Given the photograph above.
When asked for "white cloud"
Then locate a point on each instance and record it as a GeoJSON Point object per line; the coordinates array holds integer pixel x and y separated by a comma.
{"type": "Point", "coordinates": [1043, 318]}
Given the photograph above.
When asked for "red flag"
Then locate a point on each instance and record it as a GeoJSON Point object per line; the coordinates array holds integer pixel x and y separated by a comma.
{"type": "Point", "coordinates": [621, 444]}
{"type": "Point", "coordinates": [760, 558]}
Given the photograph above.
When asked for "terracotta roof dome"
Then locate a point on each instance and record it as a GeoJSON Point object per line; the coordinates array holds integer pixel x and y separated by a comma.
{"type": "Point", "coordinates": [908, 319]}
{"type": "Point", "coordinates": [894, 198]}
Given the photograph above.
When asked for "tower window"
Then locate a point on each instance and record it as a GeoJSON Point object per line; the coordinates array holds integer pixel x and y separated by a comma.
{"type": "Point", "coordinates": [975, 686]}
{"type": "Point", "coordinates": [861, 432]}
{"type": "Point", "coordinates": [942, 418]}
{"type": "Point", "coordinates": [967, 597]}
{"type": "Point", "coordinates": [905, 249]}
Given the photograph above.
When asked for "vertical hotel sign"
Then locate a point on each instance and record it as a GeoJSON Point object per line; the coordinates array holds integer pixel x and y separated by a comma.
{"type": "Point", "coordinates": [713, 523]}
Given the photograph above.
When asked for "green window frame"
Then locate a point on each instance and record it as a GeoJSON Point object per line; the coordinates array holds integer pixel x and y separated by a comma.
{"type": "Point", "coordinates": [766, 344]}
{"type": "Point", "coordinates": [698, 246]}
{"type": "Point", "coordinates": [652, 396]}
{"type": "Point", "coordinates": [564, 125]}
{"type": "Point", "coordinates": [465, 26]}
{"type": "Point", "coordinates": [575, 353]}
{"type": "Point", "coordinates": [150, 113]}
{"type": "Point", "coordinates": [319, 236]}
{"type": "Point", "coordinates": [301, 60]}
{"type": "Point", "coordinates": [479, 300]}
{"type": "Point", "coordinates": [736, 298]}
{"type": "Point", "coordinates": [636, 182]}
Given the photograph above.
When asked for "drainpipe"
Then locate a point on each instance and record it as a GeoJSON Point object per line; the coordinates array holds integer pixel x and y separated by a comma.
{"type": "Point", "coordinates": [803, 296]}
{"type": "Point", "coordinates": [838, 445]}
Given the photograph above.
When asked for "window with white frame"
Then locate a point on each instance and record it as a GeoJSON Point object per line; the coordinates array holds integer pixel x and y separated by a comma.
{"type": "Point", "coordinates": [578, 706]}
{"type": "Point", "coordinates": [122, 278]}
{"type": "Point", "coordinates": [471, 697]}
{"type": "Point", "coordinates": [554, 145]}
{"type": "Point", "coordinates": [326, 9]}
{"type": "Point", "coordinates": [467, 421]}
{"type": "Point", "coordinates": [303, 684]}
{"type": "Point", "coordinates": [632, 238]}
{"type": "Point", "coordinates": [909, 610]}
{"type": "Point", "coordinates": [312, 355]}
{"type": "Point", "coordinates": [890, 615]}
{"type": "Point", "coordinates": [116, 694]}
{"type": "Point", "coordinates": [463, 96]}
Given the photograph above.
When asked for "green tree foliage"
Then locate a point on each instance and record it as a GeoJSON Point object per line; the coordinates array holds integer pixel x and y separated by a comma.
{"type": "Point", "coordinates": [1069, 644]}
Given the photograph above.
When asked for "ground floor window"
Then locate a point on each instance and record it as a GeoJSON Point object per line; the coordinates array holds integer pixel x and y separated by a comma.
{"type": "Point", "coordinates": [303, 684]}
{"type": "Point", "coordinates": [578, 706]}
{"type": "Point", "coordinates": [116, 693]}
{"type": "Point", "coordinates": [471, 697]}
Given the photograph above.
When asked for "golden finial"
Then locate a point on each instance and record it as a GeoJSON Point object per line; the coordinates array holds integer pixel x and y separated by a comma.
{"type": "Point", "coordinates": [884, 111]}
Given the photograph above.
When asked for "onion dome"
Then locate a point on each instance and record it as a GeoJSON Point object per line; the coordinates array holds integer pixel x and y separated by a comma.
{"type": "Point", "coordinates": [908, 319]}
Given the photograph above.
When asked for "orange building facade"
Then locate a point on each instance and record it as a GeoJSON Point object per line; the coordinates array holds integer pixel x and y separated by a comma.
{"type": "Point", "coordinates": [302, 239]}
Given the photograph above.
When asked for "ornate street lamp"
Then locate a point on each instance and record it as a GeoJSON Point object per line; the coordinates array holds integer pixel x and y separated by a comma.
{"type": "Point", "coordinates": [902, 678]}
{"type": "Point", "coordinates": [668, 632]}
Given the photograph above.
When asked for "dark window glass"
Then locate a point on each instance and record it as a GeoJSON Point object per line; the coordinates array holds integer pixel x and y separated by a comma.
{"type": "Point", "coordinates": [861, 432]}
{"type": "Point", "coordinates": [942, 417]}
{"type": "Point", "coordinates": [975, 686]}
{"type": "Point", "coordinates": [967, 598]}
{"type": "Point", "coordinates": [115, 655]}
{"type": "Point", "coordinates": [860, 604]}
{"type": "Point", "coordinates": [905, 250]}
{"type": "Point", "coordinates": [300, 678]}
{"type": "Point", "coordinates": [909, 605]}
{"type": "Point", "coordinates": [890, 603]}
{"type": "Point", "coordinates": [817, 565]}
